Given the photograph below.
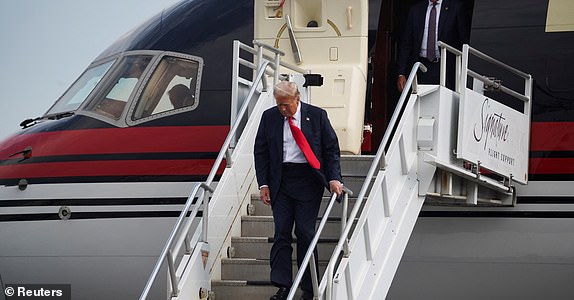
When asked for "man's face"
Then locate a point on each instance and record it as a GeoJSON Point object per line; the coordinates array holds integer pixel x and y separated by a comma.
{"type": "Point", "coordinates": [287, 105]}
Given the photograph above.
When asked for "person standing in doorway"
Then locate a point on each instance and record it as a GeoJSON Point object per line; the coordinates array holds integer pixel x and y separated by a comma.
{"type": "Point", "coordinates": [428, 22]}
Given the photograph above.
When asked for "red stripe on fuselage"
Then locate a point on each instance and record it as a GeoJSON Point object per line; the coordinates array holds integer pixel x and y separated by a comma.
{"type": "Point", "coordinates": [552, 136]}
{"type": "Point", "coordinates": [106, 143]}
{"type": "Point", "coordinates": [118, 140]}
{"type": "Point", "coordinates": [551, 166]}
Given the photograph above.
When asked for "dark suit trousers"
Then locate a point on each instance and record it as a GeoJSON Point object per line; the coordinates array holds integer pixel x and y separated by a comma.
{"type": "Point", "coordinates": [297, 203]}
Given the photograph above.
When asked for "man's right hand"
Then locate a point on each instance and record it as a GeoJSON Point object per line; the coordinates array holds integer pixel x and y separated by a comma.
{"type": "Point", "coordinates": [401, 82]}
{"type": "Point", "coordinates": [265, 195]}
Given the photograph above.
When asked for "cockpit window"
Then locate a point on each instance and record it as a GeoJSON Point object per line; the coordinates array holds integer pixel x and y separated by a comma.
{"type": "Point", "coordinates": [112, 101]}
{"type": "Point", "coordinates": [173, 86]}
{"type": "Point", "coordinates": [80, 90]}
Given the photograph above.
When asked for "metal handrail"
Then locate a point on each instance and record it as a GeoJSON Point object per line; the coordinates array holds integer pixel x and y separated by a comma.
{"type": "Point", "coordinates": [445, 47]}
{"type": "Point", "coordinates": [166, 253]}
{"type": "Point", "coordinates": [492, 60]}
{"type": "Point", "coordinates": [411, 83]}
{"type": "Point", "coordinates": [309, 255]}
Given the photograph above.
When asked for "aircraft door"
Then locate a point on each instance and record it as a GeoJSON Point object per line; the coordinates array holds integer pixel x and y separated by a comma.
{"type": "Point", "coordinates": [329, 38]}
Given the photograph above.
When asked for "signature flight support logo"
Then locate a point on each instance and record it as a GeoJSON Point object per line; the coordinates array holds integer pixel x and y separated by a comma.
{"type": "Point", "coordinates": [494, 135]}
{"type": "Point", "coordinates": [492, 131]}
{"type": "Point", "coordinates": [493, 126]}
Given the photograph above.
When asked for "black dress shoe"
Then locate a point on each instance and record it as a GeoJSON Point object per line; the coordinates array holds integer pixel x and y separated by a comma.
{"type": "Point", "coordinates": [281, 294]}
{"type": "Point", "coordinates": [307, 295]}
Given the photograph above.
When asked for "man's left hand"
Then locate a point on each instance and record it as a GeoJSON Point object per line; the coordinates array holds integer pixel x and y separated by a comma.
{"type": "Point", "coordinates": [336, 187]}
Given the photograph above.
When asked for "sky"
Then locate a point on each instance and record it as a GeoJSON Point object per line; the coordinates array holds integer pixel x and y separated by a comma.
{"type": "Point", "coordinates": [46, 44]}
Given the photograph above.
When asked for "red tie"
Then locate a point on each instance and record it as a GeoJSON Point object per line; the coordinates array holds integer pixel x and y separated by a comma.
{"type": "Point", "coordinates": [304, 145]}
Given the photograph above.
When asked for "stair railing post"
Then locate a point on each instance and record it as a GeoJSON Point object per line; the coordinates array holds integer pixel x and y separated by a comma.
{"type": "Point", "coordinates": [205, 217]}
{"type": "Point", "coordinates": [345, 208]}
{"type": "Point", "coordinates": [187, 245]}
{"type": "Point", "coordinates": [442, 69]}
{"type": "Point", "coordinates": [458, 69]}
{"type": "Point", "coordinates": [330, 271]}
{"type": "Point", "coordinates": [259, 57]}
{"type": "Point", "coordinates": [314, 280]}
{"type": "Point", "coordinates": [172, 276]}
{"type": "Point", "coordinates": [228, 159]}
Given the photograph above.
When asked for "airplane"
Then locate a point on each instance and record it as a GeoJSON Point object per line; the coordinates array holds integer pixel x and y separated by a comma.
{"type": "Point", "coordinates": [90, 190]}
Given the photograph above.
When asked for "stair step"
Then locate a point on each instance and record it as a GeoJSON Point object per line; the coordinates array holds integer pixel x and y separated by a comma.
{"type": "Point", "coordinates": [260, 209]}
{"type": "Point", "coordinates": [255, 269]}
{"type": "Point", "coordinates": [356, 165]}
{"type": "Point", "coordinates": [260, 247]}
{"type": "Point", "coordinates": [242, 289]}
{"type": "Point", "coordinates": [353, 183]}
{"type": "Point", "coordinates": [252, 226]}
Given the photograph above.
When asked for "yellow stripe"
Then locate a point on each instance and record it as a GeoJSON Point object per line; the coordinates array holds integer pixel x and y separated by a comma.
{"type": "Point", "coordinates": [560, 16]}
{"type": "Point", "coordinates": [334, 27]}
{"type": "Point", "coordinates": [279, 35]}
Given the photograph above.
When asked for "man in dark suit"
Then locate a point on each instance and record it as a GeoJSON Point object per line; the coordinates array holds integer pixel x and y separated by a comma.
{"type": "Point", "coordinates": [291, 180]}
{"type": "Point", "coordinates": [452, 28]}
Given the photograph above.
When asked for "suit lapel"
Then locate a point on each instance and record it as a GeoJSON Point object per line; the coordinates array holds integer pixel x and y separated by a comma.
{"type": "Point", "coordinates": [421, 19]}
{"type": "Point", "coordinates": [303, 121]}
{"type": "Point", "coordinates": [278, 120]}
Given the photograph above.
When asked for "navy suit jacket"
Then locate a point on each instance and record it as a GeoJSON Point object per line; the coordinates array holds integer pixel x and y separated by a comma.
{"type": "Point", "coordinates": [453, 29]}
{"type": "Point", "coordinates": [268, 149]}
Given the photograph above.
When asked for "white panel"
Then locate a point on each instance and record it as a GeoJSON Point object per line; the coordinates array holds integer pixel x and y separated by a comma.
{"type": "Point", "coordinates": [493, 134]}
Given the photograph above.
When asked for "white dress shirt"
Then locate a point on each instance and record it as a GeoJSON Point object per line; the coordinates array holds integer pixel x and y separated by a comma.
{"type": "Point", "coordinates": [291, 151]}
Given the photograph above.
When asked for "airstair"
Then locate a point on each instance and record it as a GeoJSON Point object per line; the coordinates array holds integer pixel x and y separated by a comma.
{"type": "Point", "coordinates": [442, 146]}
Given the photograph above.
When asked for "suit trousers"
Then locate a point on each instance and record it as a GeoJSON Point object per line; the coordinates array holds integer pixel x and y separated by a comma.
{"type": "Point", "coordinates": [297, 203]}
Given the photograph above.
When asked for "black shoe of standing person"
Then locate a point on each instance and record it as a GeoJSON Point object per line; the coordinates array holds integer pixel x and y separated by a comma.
{"type": "Point", "coordinates": [281, 294]}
